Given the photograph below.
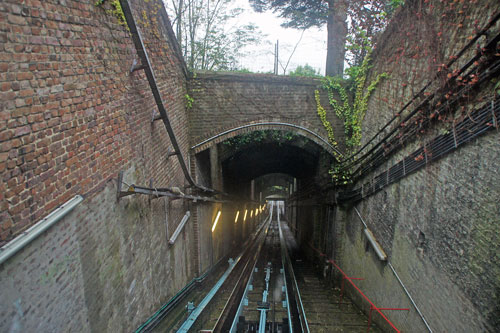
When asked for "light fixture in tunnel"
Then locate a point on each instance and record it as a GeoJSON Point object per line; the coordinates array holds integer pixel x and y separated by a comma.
{"type": "Point", "coordinates": [256, 212]}
{"type": "Point", "coordinates": [237, 215]}
{"type": "Point", "coordinates": [245, 216]}
{"type": "Point", "coordinates": [251, 213]}
{"type": "Point", "coordinates": [216, 220]}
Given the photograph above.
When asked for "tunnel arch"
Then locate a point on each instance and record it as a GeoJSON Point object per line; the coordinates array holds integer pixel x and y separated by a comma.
{"type": "Point", "coordinates": [227, 133]}
{"type": "Point", "coordinates": [233, 164]}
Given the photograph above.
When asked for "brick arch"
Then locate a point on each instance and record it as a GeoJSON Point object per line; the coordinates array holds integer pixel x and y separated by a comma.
{"type": "Point", "coordinates": [230, 132]}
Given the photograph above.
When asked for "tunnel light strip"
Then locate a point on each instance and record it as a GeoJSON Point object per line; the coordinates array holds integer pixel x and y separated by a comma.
{"type": "Point", "coordinates": [245, 217]}
{"type": "Point", "coordinates": [251, 213]}
{"type": "Point", "coordinates": [216, 220]}
{"type": "Point", "coordinates": [237, 215]}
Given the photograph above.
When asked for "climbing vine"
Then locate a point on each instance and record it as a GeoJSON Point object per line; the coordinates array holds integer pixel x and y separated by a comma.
{"type": "Point", "coordinates": [324, 121]}
{"type": "Point", "coordinates": [351, 114]}
{"type": "Point", "coordinates": [189, 101]}
{"type": "Point", "coordinates": [116, 10]}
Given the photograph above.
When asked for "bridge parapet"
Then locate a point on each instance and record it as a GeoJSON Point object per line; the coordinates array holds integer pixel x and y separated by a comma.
{"type": "Point", "coordinates": [228, 104]}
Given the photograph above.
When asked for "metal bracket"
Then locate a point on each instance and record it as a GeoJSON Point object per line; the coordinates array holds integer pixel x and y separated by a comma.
{"type": "Point", "coordinates": [171, 153]}
{"type": "Point", "coordinates": [136, 65]}
{"type": "Point", "coordinates": [173, 193]}
{"type": "Point", "coordinates": [190, 307]}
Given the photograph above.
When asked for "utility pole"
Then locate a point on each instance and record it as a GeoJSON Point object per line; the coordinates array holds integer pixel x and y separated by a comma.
{"type": "Point", "coordinates": [276, 49]}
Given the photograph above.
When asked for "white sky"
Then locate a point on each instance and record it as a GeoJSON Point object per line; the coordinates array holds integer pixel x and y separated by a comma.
{"type": "Point", "coordinates": [260, 58]}
{"type": "Point", "coordinates": [311, 50]}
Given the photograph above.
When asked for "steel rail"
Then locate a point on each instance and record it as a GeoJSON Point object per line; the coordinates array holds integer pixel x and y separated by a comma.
{"type": "Point", "coordinates": [304, 326]}
{"type": "Point", "coordinates": [234, 325]}
{"type": "Point", "coordinates": [189, 322]}
{"type": "Point", "coordinates": [222, 321]}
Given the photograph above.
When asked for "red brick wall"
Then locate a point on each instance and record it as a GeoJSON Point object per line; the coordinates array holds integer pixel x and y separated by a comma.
{"type": "Point", "coordinates": [72, 117]}
{"type": "Point", "coordinates": [226, 101]}
{"type": "Point", "coordinates": [71, 114]}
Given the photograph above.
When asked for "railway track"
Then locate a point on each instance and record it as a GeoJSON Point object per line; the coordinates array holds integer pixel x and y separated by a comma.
{"type": "Point", "coordinates": [267, 290]}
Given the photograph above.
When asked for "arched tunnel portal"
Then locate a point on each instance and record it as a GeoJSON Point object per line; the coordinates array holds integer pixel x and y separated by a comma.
{"type": "Point", "coordinates": [251, 165]}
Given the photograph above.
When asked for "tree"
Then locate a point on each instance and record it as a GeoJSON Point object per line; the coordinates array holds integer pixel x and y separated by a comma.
{"type": "Point", "coordinates": [305, 70]}
{"type": "Point", "coordinates": [303, 14]}
{"type": "Point", "coordinates": [202, 33]}
{"type": "Point", "coordinates": [354, 21]}
{"type": "Point", "coordinates": [367, 18]}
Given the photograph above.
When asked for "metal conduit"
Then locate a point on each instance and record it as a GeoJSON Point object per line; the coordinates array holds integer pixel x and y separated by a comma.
{"type": "Point", "coordinates": [381, 154]}
{"type": "Point", "coordinates": [420, 93]}
{"type": "Point", "coordinates": [400, 282]}
{"type": "Point", "coordinates": [143, 55]}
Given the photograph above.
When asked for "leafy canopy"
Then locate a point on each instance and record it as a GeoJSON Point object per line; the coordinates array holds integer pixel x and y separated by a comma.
{"type": "Point", "coordinates": [305, 70]}
{"type": "Point", "coordinates": [299, 14]}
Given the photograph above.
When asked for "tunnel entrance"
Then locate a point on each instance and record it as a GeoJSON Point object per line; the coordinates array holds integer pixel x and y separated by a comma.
{"type": "Point", "coordinates": [264, 162]}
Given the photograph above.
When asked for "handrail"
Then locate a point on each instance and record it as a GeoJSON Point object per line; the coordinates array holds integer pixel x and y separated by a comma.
{"type": "Point", "coordinates": [12, 247]}
{"type": "Point", "coordinates": [399, 280]}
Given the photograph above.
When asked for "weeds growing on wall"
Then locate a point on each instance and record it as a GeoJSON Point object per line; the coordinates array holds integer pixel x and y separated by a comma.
{"type": "Point", "coordinates": [116, 10]}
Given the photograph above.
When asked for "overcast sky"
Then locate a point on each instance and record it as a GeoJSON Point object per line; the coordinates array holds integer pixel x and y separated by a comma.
{"type": "Point", "coordinates": [260, 58]}
{"type": "Point", "coordinates": [311, 50]}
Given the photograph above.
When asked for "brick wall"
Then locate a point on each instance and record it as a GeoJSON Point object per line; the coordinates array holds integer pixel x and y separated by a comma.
{"type": "Point", "coordinates": [72, 117]}
{"type": "Point", "coordinates": [437, 225]}
{"type": "Point", "coordinates": [226, 101]}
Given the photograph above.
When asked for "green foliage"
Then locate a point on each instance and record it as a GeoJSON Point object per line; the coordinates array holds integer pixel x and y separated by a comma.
{"type": "Point", "coordinates": [299, 14]}
{"type": "Point", "coordinates": [322, 115]}
{"type": "Point", "coordinates": [206, 40]}
{"type": "Point", "coordinates": [189, 101]}
{"type": "Point", "coordinates": [257, 137]}
{"type": "Point", "coordinates": [116, 11]}
{"type": "Point", "coordinates": [352, 114]}
{"type": "Point", "coordinates": [305, 70]}
{"type": "Point", "coordinates": [392, 5]}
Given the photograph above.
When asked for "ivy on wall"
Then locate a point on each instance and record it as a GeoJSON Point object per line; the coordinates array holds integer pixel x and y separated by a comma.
{"type": "Point", "coordinates": [352, 114]}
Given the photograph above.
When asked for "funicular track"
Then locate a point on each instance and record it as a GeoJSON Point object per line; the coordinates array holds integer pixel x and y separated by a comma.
{"type": "Point", "coordinates": [271, 288]}
{"type": "Point", "coordinates": [256, 298]}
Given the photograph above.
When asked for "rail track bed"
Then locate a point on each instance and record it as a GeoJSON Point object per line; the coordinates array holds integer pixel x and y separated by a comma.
{"type": "Point", "coordinates": [325, 310]}
{"type": "Point", "coordinates": [268, 288]}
